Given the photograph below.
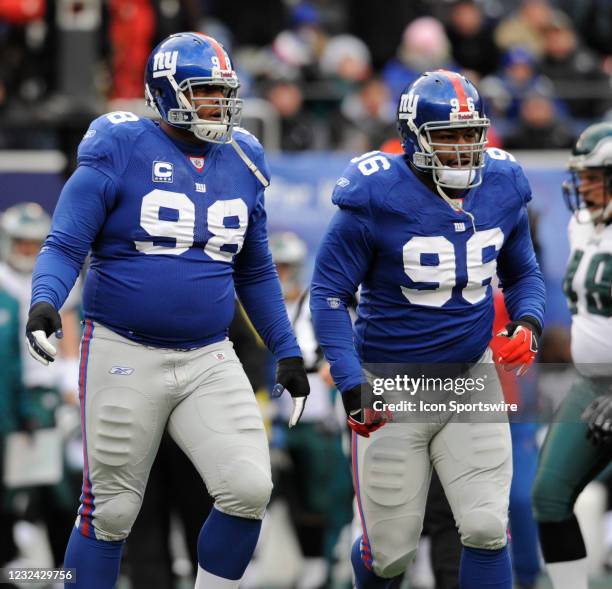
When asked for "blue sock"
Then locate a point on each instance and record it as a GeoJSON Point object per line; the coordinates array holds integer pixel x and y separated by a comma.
{"type": "Point", "coordinates": [524, 545]}
{"type": "Point", "coordinates": [364, 575]}
{"type": "Point", "coordinates": [226, 544]}
{"type": "Point", "coordinates": [485, 569]}
{"type": "Point", "coordinates": [96, 562]}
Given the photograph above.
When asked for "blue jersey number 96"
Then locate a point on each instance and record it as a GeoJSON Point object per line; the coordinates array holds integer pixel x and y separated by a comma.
{"type": "Point", "coordinates": [439, 276]}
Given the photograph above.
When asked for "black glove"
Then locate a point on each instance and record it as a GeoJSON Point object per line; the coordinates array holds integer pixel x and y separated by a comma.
{"type": "Point", "coordinates": [362, 418]}
{"type": "Point", "coordinates": [43, 320]}
{"type": "Point", "coordinates": [291, 376]}
{"type": "Point", "coordinates": [598, 417]}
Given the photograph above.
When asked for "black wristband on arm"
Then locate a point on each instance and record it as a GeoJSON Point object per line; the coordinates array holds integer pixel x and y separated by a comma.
{"type": "Point", "coordinates": [532, 323]}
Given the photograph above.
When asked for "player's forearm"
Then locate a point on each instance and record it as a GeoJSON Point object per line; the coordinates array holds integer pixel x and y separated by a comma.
{"type": "Point", "coordinates": [264, 305]}
{"type": "Point", "coordinates": [258, 288]}
{"type": "Point", "coordinates": [53, 278]}
{"type": "Point", "coordinates": [334, 332]}
{"type": "Point", "coordinates": [526, 296]}
{"type": "Point", "coordinates": [343, 259]}
{"type": "Point", "coordinates": [57, 268]}
{"type": "Point", "coordinates": [520, 276]}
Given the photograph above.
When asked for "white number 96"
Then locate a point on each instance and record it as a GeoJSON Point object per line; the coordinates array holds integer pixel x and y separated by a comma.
{"type": "Point", "coordinates": [370, 163]}
{"type": "Point", "coordinates": [440, 275]}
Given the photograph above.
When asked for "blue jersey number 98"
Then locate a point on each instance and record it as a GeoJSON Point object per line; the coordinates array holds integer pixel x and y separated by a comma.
{"type": "Point", "coordinates": [182, 229]}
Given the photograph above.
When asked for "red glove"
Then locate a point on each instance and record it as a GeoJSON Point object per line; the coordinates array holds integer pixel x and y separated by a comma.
{"type": "Point", "coordinates": [362, 418]}
{"type": "Point", "coordinates": [516, 347]}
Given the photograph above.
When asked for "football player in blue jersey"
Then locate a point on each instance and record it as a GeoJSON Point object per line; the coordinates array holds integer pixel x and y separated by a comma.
{"type": "Point", "coordinates": [423, 233]}
{"type": "Point", "coordinates": [173, 214]}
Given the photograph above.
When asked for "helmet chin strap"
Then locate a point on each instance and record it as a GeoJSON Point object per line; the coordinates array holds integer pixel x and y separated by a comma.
{"type": "Point", "coordinates": [607, 213]}
{"type": "Point", "coordinates": [249, 163]}
{"type": "Point", "coordinates": [179, 95]}
{"type": "Point", "coordinates": [455, 204]}
{"type": "Point", "coordinates": [602, 216]}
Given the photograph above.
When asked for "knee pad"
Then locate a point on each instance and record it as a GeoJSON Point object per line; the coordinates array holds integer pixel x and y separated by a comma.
{"type": "Point", "coordinates": [114, 517]}
{"type": "Point", "coordinates": [393, 503]}
{"type": "Point", "coordinates": [483, 529]}
{"type": "Point", "coordinates": [393, 544]}
{"type": "Point", "coordinates": [389, 568]}
{"type": "Point", "coordinates": [247, 488]}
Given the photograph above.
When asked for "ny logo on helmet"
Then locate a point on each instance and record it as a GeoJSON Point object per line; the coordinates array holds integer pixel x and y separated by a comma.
{"type": "Point", "coordinates": [408, 106]}
{"type": "Point", "coordinates": [164, 63]}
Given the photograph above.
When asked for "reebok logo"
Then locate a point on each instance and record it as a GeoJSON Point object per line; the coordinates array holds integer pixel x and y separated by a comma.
{"type": "Point", "coordinates": [121, 370]}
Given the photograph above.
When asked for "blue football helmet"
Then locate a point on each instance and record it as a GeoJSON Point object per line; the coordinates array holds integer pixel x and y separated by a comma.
{"type": "Point", "coordinates": [437, 101]}
{"type": "Point", "coordinates": [175, 69]}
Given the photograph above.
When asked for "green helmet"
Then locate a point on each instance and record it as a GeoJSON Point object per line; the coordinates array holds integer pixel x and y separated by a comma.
{"type": "Point", "coordinates": [24, 221]}
{"type": "Point", "coordinates": [593, 151]}
{"type": "Point", "coordinates": [287, 248]}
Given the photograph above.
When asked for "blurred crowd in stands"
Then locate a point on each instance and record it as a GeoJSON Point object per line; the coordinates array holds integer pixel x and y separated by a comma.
{"type": "Point", "coordinates": [320, 74]}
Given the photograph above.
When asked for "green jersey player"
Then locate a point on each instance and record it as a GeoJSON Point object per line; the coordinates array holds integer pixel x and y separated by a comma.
{"type": "Point", "coordinates": [578, 445]}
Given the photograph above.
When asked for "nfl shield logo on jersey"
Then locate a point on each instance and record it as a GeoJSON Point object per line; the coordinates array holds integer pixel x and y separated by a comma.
{"type": "Point", "coordinates": [162, 172]}
{"type": "Point", "coordinates": [334, 302]}
{"type": "Point", "coordinates": [198, 162]}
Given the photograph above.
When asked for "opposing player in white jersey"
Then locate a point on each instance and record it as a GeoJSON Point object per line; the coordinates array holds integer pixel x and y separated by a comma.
{"type": "Point", "coordinates": [311, 445]}
{"type": "Point", "coordinates": [289, 254]}
{"type": "Point", "coordinates": [173, 213]}
{"type": "Point", "coordinates": [23, 228]}
{"type": "Point", "coordinates": [578, 445]}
